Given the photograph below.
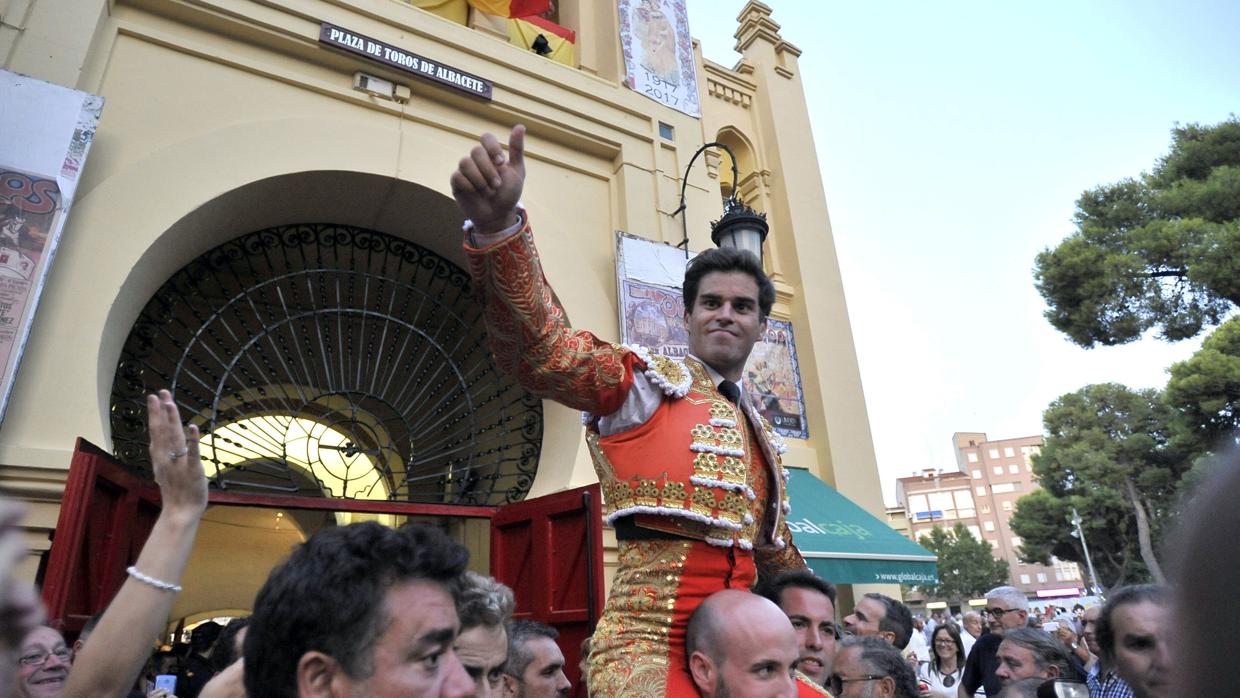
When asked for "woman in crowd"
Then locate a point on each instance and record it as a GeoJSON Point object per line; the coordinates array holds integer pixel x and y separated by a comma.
{"type": "Point", "coordinates": [115, 653]}
{"type": "Point", "coordinates": [946, 665]}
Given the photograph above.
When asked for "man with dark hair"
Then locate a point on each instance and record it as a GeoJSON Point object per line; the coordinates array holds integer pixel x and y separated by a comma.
{"type": "Point", "coordinates": [1133, 631]}
{"type": "Point", "coordinates": [362, 611]}
{"type": "Point", "coordinates": [741, 644]}
{"type": "Point", "coordinates": [485, 607]}
{"type": "Point", "coordinates": [1007, 609]}
{"type": "Point", "coordinates": [1101, 677]}
{"type": "Point", "coordinates": [867, 666]}
{"type": "Point", "coordinates": [535, 666]}
{"type": "Point", "coordinates": [1026, 653]}
{"type": "Point", "coordinates": [881, 616]}
{"type": "Point", "coordinates": [228, 645]}
{"type": "Point", "coordinates": [708, 513]}
{"type": "Point", "coordinates": [809, 602]}
{"type": "Point", "coordinates": [198, 667]}
{"type": "Point", "coordinates": [725, 260]}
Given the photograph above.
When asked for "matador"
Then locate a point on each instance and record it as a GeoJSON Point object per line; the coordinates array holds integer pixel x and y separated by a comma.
{"type": "Point", "coordinates": [691, 473]}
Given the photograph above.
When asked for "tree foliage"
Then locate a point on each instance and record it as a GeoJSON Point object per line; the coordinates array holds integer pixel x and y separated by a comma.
{"type": "Point", "coordinates": [1158, 251]}
{"type": "Point", "coordinates": [1107, 453]}
{"type": "Point", "coordinates": [967, 566]}
{"type": "Point", "coordinates": [1205, 392]}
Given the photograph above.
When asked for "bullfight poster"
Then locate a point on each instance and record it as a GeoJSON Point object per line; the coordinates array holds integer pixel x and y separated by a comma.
{"type": "Point", "coordinates": [48, 131]}
{"type": "Point", "coordinates": [652, 314]}
{"type": "Point", "coordinates": [658, 52]}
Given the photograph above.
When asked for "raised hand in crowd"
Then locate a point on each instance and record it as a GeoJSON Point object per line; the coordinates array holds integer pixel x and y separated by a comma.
{"type": "Point", "coordinates": [487, 184]}
{"type": "Point", "coordinates": [20, 610]}
{"type": "Point", "coordinates": [112, 658]}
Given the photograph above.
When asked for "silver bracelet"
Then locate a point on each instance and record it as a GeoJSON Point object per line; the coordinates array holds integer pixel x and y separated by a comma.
{"type": "Point", "coordinates": [147, 579]}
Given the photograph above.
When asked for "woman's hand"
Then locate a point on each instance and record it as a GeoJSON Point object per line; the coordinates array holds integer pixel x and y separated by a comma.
{"type": "Point", "coordinates": [175, 459]}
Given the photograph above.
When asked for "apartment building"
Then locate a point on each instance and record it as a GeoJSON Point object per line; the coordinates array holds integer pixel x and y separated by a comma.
{"type": "Point", "coordinates": [982, 495]}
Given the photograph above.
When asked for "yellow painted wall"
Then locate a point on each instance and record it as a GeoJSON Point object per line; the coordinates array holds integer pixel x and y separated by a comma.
{"type": "Point", "coordinates": [227, 116]}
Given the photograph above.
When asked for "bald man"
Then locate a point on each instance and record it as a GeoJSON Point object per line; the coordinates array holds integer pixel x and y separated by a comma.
{"type": "Point", "coordinates": [741, 644]}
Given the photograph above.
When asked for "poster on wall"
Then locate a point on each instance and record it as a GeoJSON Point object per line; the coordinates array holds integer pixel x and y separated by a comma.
{"type": "Point", "coordinates": [48, 131]}
{"type": "Point", "coordinates": [654, 317]}
{"type": "Point", "coordinates": [773, 380]}
{"type": "Point", "coordinates": [658, 52]}
{"type": "Point", "coordinates": [652, 314]}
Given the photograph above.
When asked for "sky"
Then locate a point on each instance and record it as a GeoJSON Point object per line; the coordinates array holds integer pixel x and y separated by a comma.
{"type": "Point", "coordinates": [954, 139]}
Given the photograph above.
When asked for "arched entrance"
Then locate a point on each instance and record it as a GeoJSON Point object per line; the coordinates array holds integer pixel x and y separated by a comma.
{"type": "Point", "coordinates": [338, 371]}
{"type": "Point", "coordinates": [331, 360]}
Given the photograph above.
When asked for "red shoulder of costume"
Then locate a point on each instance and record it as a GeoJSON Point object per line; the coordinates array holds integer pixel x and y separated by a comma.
{"type": "Point", "coordinates": [530, 337]}
{"type": "Point", "coordinates": [806, 687]}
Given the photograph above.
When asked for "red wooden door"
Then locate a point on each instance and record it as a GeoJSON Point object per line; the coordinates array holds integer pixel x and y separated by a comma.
{"type": "Point", "coordinates": [105, 517]}
{"type": "Point", "coordinates": [550, 551]}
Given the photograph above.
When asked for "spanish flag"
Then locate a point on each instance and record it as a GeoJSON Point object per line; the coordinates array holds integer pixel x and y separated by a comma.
{"type": "Point", "coordinates": [558, 44]}
{"type": "Point", "coordinates": [511, 8]}
{"type": "Point", "coordinates": [451, 10]}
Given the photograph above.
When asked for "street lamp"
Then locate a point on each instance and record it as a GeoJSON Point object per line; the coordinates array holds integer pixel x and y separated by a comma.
{"type": "Point", "coordinates": [740, 227]}
{"type": "Point", "coordinates": [1078, 533]}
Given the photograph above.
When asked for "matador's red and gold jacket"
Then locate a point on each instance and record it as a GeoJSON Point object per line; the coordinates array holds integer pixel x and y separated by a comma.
{"type": "Point", "coordinates": [695, 467]}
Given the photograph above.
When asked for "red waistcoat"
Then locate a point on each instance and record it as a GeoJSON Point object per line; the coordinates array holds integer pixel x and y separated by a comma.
{"type": "Point", "coordinates": [692, 467]}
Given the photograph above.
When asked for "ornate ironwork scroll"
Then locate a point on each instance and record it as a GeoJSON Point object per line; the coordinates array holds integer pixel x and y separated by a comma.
{"type": "Point", "coordinates": [328, 360]}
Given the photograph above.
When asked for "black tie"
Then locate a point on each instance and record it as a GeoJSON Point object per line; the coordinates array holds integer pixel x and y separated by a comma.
{"type": "Point", "coordinates": [730, 390]}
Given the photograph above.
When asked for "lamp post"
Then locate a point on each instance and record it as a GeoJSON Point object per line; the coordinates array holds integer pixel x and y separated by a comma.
{"type": "Point", "coordinates": [1078, 533]}
{"type": "Point", "coordinates": [740, 227]}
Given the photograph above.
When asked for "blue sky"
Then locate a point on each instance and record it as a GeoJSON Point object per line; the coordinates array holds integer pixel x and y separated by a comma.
{"type": "Point", "coordinates": [954, 139]}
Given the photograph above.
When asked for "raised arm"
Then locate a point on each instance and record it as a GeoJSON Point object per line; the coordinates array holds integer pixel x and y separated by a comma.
{"type": "Point", "coordinates": [487, 183]}
{"type": "Point", "coordinates": [526, 327]}
{"type": "Point", "coordinates": [121, 643]}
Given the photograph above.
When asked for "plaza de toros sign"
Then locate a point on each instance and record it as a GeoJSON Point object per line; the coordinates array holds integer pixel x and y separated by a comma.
{"type": "Point", "coordinates": [404, 61]}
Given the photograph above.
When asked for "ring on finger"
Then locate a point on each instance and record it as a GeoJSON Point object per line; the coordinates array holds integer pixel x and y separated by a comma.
{"type": "Point", "coordinates": [177, 454]}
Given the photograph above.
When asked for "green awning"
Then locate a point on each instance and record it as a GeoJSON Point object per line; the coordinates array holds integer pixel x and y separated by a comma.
{"type": "Point", "coordinates": [845, 544]}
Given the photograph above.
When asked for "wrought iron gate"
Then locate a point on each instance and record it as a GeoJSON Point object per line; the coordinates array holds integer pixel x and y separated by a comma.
{"type": "Point", "coordinates": [330, 360]}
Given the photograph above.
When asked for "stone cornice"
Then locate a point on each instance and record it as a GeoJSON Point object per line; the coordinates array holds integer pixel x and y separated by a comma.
{"type": "Point", "coordinates": [720, 90]}
{"type": "Point", "coordinates": [729, 86]}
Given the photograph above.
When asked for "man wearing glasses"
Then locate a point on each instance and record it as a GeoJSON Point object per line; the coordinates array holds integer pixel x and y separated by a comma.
{"type": "Point", "coordinates": [867, 666]}
{"type": "Point", "coordinates": [42, 664]}
{"type": "Point", "coordinates": [1006, 609]}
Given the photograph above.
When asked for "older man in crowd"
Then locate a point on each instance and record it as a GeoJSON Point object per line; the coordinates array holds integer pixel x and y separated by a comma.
{"type": "Point", "coordinates": [870, 667]}
{"type": "Point", "coordinates": [363, 611]}
{"type": "Point", "coordinates": [43, 661]}
{"type": "Point", "coordinates": [1024, 688]}
{"type": "Point", "coordinates": [484, 607]}
{"type": "Point", "coordinates": [809, 602]}
{"type": "Point", "coordinates": [741, 644]}
{"type": "Point", "coordinates": [971, 621]}
{"type": "Point", "coordinates": [881, 616]}
{"type": "Point", "coordinates": [1026, 653]}
{"type": "Point", "coordinates": [1132, 632]}
{"type": "Point", "coordinates": [535, 666]}
{"type": "Point", "coordinates": [1006, 609]}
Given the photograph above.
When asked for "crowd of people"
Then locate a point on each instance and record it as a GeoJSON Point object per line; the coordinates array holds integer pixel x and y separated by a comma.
{"type": "Point", "coordinates": [710, 596]}
{"type": "Point", "coordinates": [368, 610]}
